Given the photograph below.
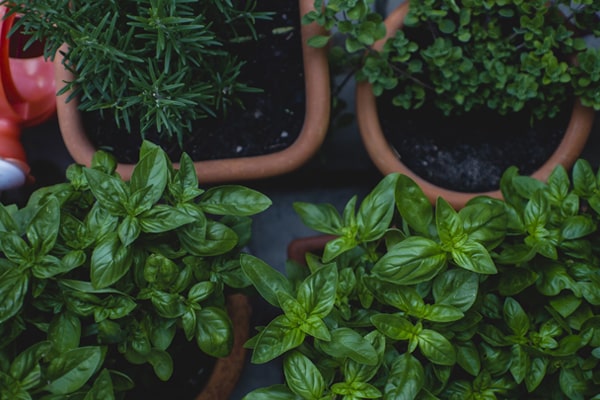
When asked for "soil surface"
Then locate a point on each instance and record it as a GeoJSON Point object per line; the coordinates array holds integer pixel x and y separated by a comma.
{"type": "Point", "coordinates": [269, 121]}
{"type": "Point", "coordinates": [469, 153]}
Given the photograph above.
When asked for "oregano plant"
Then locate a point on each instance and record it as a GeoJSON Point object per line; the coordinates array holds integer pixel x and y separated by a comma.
{"type": "Point", "coordinates": [503, 55]}
{"type": "Point", "coordinates": [408, 300]}
{"type": "Point", "coordinates": [99, 275]}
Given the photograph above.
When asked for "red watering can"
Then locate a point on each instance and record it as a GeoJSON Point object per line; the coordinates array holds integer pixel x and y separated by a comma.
{"type": "Point", "coordinates": [27, 98]}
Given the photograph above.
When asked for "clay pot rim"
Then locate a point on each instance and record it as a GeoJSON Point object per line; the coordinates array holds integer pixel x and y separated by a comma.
{"type": "Point", "coordinates": [311, 136]}
{"type": "Point", "coordinates": [387, 161]}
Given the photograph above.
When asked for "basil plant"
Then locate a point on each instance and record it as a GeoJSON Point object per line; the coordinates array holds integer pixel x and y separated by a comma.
{"type": "Point", "coordinates": [500, 300]}
{"type": "Point", "coordinates": [99, 269]}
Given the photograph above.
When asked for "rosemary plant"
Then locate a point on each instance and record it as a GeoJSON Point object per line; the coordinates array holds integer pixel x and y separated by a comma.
{"type": "Point", "coordinates": [162, 62]}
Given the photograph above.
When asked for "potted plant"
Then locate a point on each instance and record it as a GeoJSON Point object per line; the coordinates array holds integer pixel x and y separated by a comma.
{"type": "Point", "coordinates": [481, 62]}
{"type": "Point", "coordinates": [113, 289]}
{"type": "Point", "coordinates": [497, 300]}
{"type": "Point", "coordinates": [187, 71]}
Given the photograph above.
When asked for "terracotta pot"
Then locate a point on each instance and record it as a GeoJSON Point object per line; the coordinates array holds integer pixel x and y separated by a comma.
{"type": "Point", "coordinates": [316, 121]}
{"type": "Point", "coordinates": [227, 371]}
{"type": "Point", "coordinates": [298, 248]}
{"type": "Point", "coordinates": [387, 161]}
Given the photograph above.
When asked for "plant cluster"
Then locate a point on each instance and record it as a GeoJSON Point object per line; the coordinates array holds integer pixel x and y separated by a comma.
{"type": "Point", "coordinates": [505, 55]}
{"type": "Point", "coordinates": [98, 274]}
{"type": "Point", "coordinates": [163, 62]}
{"type": "Point", "coordinates": [409, 301]}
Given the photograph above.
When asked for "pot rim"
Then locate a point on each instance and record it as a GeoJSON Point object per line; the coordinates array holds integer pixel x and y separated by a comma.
{"type": "Point", "coordinates": [310, 138]}
{"type": "Point", "coordinates": [387, 161]}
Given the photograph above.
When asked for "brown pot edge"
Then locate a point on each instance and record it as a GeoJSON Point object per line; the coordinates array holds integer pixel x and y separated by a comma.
{"type": "Point", "coordinates": [227, 371]}
{"type": "Point", "coordinates": [387, 161]}
{"type": "Point", "coordinates": [311, 136]}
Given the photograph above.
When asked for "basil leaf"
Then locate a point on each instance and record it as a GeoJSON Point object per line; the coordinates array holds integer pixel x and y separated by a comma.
{"type": "Point", "coordinates": [233, 200]}
{"type": "Point", "coordinates": [265, 279]}
{"type": "Point", "coordinates": [13, 288]}
{"type": "Point", "coordinates": [302, 376]}
{"type": "Point", "coordinates": [274, 392]}
{"type": "Point", "coordinates": [110, 191]}
{"type": "Point", "coordinates": [64, 332]}
{"type": "Point", "coordinates": [110, 262]}
{"type": "Point", "coordinates": [436, 347]}
{"type": "Point", "coordinates": [376, 210]}
{"type": "Point", "coordinates": [406, 378]}
{"type": "Point", "coordinates": [347, 343]}
{"type": "Point", "coordinates": [279, 336]}
{"type": "Point", "coordinates": [150, 174]}
{"type": "Point", "coordinates": [457, 288]}
{"type": "Point", "coordinates": [163, 218]}
{"type": "Point", "coordinates": [102, 389]}
{"type": "Point", "coordinates": [317, 292]}
{"type": "Point", "coordinates": [414, 207]}
{"type": "Point", "coordinates": [214, 331]}
{"type": "Point", "coordinates": [411, 261]}
{"type": "Point", "coordinates": [320, 217]}
{"type": "Point", "coordinates": [474, 257]}
{"type": "Point", "coordinates": [69, 371]}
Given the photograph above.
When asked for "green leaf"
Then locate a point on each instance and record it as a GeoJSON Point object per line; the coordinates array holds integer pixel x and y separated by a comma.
{"type": "Point", "coordinates": [302, 376]}
{"type": "Point", "coordinates": [318, 41]}
{"type": "Point", "coordinates": [317, 292]}
{"type": "Point", "coordinates": [536, 373]}
{"type": "Point", "coordinates": [338, 246]}
{"type": "Point", "coordinates": [275, 339]}
{"type": "Point", "coordinates": [347, 343]}
{"type": "Point", "coordinates": [515, 317]}
{"type": "Point", "coordinates": [64, 332]}
{"type": "Point", "coordinates": [578, 226]}
{"type": "Point", "coordinates": [406, 378]}
{"type": "Point", "coordinates": [129, 230]}
{"type": "Point", "coordinates": [150, 174]}
{"type": "Point", "coordinates": [13, 288]}
{"type": "Point", "coordinates": [449, 225]}
{"type": "Point", "coordinates": [233, 200]}
{"type": "Point", "coordinates": [411, 261]}
{"type": "Point", "coordinates": [394, 326]}
{"type": "Point", "coordinates": [162, 364]}
{"type": "Point", "coordinates": [42, 231]}
{"type": "Point", "coordinates": [110, 191]}
{"type": "Point", "coordinates": [320, 217]}
{"type": "Point", "coordinates": [25, 367]}
{"type": "Point", "coordinates": [474, 257]}
{"type": "Point", "coordinates": [110, 262]}
{"type": "Point", "coordinates": [413, 205]}
{"type": "Point", "coordinates": [274, 392]}
{"type": "Point", "coordinates": [467, 356]}
{"type": "Point", "coordinates": [456, 287]}
{"type": "Point", "coordinates": [376, 210]}
{"type": "Point", "coordinates": [436, 347]}
{"type": "Point", "coordinates": [265, 279]}
{"type": "Point", "coordinates": [163, 218]}
{"type": "Point", "coordinates": [212, 239]}
{"type": "Point", "coordinates": [214, 331]}
{"type": "Point", "coordinates": [102, 389]}
{"type": "Point", "coordinates": [69, 371]}
{"type": "Point", "coordinates": [519, 364]}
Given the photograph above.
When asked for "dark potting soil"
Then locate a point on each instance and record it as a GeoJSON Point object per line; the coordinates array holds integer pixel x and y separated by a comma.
{"type": "Point", "coordinates": [269, 121]}
{"type": "Point", "coordinates": [191, 370]}
{"type": "Point", "coordinates": [469, 153]}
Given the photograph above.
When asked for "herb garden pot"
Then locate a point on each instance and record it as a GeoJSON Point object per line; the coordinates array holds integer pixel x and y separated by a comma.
{"type": "Point", "coordinates": [309, 140]}
{"type": "Point", "coordinates": [387, 160]}
{"type": "Point", "coordinates": [227, 371]}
